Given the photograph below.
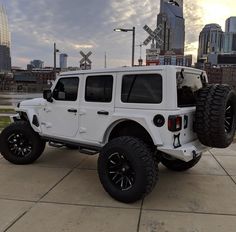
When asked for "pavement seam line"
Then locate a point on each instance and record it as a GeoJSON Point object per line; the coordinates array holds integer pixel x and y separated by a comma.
{"type": "Point", "coordinates": [55, 185]}
{"type": "Point", "coordinates": [189, 212]}
{"type": "Point", "coordinates": [193, 174]}
{"type": "Point", "coordinates": [77, 166]}
{"type": "Point", "coordinates": [17, 219]}
{"type": "Point", "coordinates": [86, 205]}
{"type": "Point", "coordinates": [140, 215]}
{"type": "Point", "coordinates": [223, 168]}
{"type": "Point", "coordinates": [17, 200]}
{"type": "Point", "coordinates": [35, 203]}
{"type": "Point", "coordinates": [68, 204]}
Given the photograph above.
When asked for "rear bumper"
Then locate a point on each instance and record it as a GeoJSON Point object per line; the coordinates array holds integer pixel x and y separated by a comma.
{"type": "Point", "coordinates": [186, 152]}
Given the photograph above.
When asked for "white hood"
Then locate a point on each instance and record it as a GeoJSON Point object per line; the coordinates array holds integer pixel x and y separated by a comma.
{"type": "Point", "coordinates": [34, 102]}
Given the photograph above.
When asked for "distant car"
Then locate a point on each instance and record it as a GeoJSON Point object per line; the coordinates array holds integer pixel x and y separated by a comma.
{"type": "Point", "coordinates": [134, 117]}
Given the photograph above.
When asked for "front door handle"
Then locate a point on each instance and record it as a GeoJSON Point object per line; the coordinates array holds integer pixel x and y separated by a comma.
{"type": "Point", "coordinates": [72, 111]}
{"type": "Point", "coordinates": [102, 112]}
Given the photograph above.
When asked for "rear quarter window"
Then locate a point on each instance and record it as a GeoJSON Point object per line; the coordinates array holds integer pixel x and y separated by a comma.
{"type": "Point", "coordinates": [187, 86]}
{"type": "Point", "coordinates": [142, 88]}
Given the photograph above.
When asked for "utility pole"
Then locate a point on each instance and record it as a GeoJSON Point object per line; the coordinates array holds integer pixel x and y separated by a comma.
{"type": "Point", "coordinates": [133, 45]}
{"type": "Point", "coordinates": [55, 58]}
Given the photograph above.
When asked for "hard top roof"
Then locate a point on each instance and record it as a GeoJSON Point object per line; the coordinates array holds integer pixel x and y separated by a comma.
{"type": "Point", "coordinates": [128, 69]}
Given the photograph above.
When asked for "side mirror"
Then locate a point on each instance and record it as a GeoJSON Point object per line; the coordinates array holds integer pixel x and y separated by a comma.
{"type": "Point", "coordinates": [47, 95]}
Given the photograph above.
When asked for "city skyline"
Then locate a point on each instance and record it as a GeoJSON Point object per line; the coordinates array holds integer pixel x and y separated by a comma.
{"type": "Point", "coordinates": [77, 25]}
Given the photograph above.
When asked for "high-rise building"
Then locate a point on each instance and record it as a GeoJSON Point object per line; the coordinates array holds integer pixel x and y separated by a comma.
{"type": "Point", "coordinates": [173, 26]}
{"type": "Point", "coordinates": [5, 58]}
{"type": "Point", "coordinates": [230, 35]}
{"type": "Point", "coordinates": [230, 25]}
{"type": "Point", "coordinates": [210, 41]}
{"type": "Point", "coordinates": [229, 42]}
{"type": "Point", "coordinates": [63, 61]}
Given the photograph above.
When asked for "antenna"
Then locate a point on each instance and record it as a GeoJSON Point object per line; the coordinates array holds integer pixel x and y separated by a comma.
{"type": "Point", "coordinates": [140, 47]}
{"type": "Point", "coordinates": [140, 60]}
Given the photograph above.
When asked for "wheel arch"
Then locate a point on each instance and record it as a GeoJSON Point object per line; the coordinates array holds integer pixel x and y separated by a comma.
{"type": "Point", "coordinates": [29, 116]}
{"type": "Point", "coordinates": [128, 127]}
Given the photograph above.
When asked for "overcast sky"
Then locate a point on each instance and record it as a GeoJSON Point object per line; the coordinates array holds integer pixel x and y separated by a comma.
{"type": "Point", "coordinates": [88, 25]}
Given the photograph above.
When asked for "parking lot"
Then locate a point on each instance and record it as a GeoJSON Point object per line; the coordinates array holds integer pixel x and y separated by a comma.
{"type": "Point", "coordinates": [62, 192]}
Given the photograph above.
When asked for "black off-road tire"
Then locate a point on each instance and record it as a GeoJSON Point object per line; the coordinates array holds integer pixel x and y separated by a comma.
{"type": "Point", "coordinates": [20, 135]}
{"type": "Point", "coordinates": [178, 165]}
{"type": "Point", "coordinates": [140, 167]}
{"type": "Point", "coordinates": [216, 115]}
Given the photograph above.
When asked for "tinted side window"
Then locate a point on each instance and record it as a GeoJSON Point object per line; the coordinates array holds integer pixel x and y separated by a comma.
{"type": "Point", "coordinates": [99, 88]}
{"type": "Point", "coordinates": [66, 89]}
{"type": "Point", "coordinates": [142, 88]}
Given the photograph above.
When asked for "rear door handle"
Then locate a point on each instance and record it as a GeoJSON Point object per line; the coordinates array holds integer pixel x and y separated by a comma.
{"type": "Point", "coordinates": [72, 111]}
{"type": "Point", "coordinates": [102, 112]}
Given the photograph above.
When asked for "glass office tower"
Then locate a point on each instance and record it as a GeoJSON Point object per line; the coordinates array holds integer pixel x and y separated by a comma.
{"type": "Point", "coordinates": [230, 24]}
{"type": "Point", "coordinates": [230, 35]}
{"type": "Point", "coordinates": [63, 61]}
{"type": "Point", "coordinates": [210, 40]}
{"type": "Point", "coordinates": [172, 20]}
{"type": "Point", "coordinates": [5, 58]}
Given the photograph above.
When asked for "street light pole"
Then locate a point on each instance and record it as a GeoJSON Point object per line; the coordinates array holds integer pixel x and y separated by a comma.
{"type": "Point", "coordinates": [133, 40]}
{"type": "Point", "coordinates": [55, 57]}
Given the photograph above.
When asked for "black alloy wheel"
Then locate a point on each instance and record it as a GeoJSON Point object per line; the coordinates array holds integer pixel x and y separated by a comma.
{"type": "Point", "coordinates": [120, 171]}
{"type": "Point", "coordinates": [127, 169]}
{"type": "Point", "coordinates": [19, 145]}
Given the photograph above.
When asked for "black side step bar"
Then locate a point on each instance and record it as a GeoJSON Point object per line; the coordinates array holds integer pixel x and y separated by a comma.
{"type": "Point", "coordinates": [83, 148]}
{"type": "Point", "coordinates": [53, 144]}
{"type": "Point", "coordinates": [87, 151]}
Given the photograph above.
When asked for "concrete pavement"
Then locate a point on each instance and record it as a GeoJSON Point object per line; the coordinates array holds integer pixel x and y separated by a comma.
{"type": "Point", "coordinates": [62, 192]}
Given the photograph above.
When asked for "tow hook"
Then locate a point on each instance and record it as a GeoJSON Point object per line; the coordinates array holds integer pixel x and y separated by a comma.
{"type": "Point", "coordinates": [177, 143]}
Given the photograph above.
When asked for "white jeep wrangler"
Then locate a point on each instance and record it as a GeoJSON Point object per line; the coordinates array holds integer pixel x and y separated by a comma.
{"type": "Point", "coordinates": [134, 117]}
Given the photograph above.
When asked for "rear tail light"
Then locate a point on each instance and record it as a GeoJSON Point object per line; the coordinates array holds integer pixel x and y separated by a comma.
{"type": "Point", "coordinates": [174, 123]}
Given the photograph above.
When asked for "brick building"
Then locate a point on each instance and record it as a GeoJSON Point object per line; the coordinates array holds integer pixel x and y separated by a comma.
{"type": "Point", "coordinates": [33, 81]}
{"type": "Point", "coordinates": [223, 75]}
{"type": "Point", "coordinates": [27, 81]}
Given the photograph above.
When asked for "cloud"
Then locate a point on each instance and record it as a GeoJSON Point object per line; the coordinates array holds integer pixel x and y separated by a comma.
{"type": "Point", "coordinates": [80, 46]}
{"type": "Point", "coordinates": [193, 20]}
{"type": "Point", "coordinates": [88, 25]}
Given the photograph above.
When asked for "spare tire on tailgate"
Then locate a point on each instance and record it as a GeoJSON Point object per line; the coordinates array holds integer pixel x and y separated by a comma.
{"type": "Point", "coordinates": [215, 115]}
